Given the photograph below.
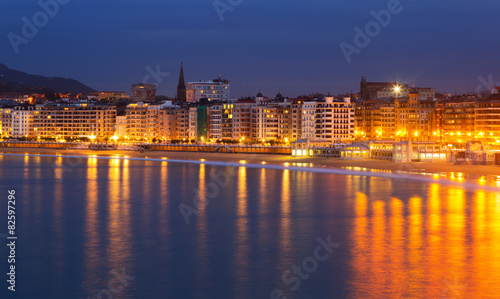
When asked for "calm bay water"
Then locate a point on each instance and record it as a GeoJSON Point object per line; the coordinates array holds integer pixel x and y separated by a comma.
{"type": "Point", "coordinates": [111, 228]}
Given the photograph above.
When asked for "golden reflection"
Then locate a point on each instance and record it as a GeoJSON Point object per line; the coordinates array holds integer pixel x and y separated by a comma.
{"type": "Point", "coordinates": [442, 245]}
{"type": "Point", "coordinates": [26, 176]}
{"type": "Point", "coordinates": [163, 224]}
{"type": "Point", "coordinates": [201, 223]}
{"type": "Point", "coordinates": [378, 252]}
{"type": "Point", "coordinates": [285, 222]}
{"type": "Point", "coordinates": [58, 169]}
{"type": "Point", "coordinates": [26, 167]}
{"type": "Point", "coordinates": [241, 255]}
{"type": "Point", "coordinates": [361, 205]}
{"type": "Point", "coordinates": [119, 218]}
{"type": "Point", "coordinates": [396, 253]}
{"type": "Point", "coordinates": [263, 226]}
{"type": "Point", "coordinates": [58, 224]}
{"type": "Point", "coordinates": [147, 206]}
{"type": "Point", "coordinates": [262, 193]}
{"type": "Point", "coordinates": [487, 265]}
{"type": "Point", "coordinates": [361, 238]}
{"type": "Point", "coordinates": [92, 257]}
{"type": "Point", "coordinates": [416, 246]}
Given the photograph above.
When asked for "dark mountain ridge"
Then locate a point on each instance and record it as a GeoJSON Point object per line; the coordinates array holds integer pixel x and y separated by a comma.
{"type": "Point", "coordinates": [17, 81]}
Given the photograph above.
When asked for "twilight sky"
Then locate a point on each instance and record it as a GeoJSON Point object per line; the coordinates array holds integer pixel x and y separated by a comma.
{"type": "Point", "coordinates": [292, 46]}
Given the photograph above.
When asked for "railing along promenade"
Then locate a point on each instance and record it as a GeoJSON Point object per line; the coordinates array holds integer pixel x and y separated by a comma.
{"type": "Point", "coordinates": [206, 148]}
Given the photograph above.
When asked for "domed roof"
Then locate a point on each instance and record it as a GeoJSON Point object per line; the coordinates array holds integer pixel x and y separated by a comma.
{"type": "Point", "coordinates": [259, 95]}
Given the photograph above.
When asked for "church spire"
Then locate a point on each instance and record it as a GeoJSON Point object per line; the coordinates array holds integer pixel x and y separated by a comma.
{"type": "Point", "coordinates": [181, 87]}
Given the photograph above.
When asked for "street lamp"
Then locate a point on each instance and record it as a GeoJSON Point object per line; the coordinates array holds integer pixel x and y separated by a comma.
{"type": "Point", "coordinates": [397, 89]}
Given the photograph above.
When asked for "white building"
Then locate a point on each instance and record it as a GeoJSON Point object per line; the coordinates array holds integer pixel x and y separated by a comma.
{"type": "Point", "coordinates": [215, 122]}
{"type": "Point", "coordinates": [328, 120]}
{"type": "Point", "coordinates": [18, 121]}
{"type": "Point", "coordinates": [121, 126]}
{"type": "Point", "coordinates": [214, 90]}
{"type": "Point", "coordinates": [308, 114]}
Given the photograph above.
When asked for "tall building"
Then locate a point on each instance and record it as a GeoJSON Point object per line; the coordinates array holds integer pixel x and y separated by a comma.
{"type": "Point", "coordinates": [17, 121]}
{"type": "Point", "coordinates": [215, 122]}
{"type": "Point", "coordinates": [214, 90]}
{"type": "Point", "coordinates": [74, 120]}
{"type": "Point", "coordinates": [181, 87]}
{"type": "Point", "coordinates": [143, 92]}
{"type": "Point", "coordinates": [121, 126]}
{"type": "Point", "coordinates": [458, 120]}
{"type": "Point", "coordinates": [487, 115]}
{"type": "Point", "coordinates": [411, 117]}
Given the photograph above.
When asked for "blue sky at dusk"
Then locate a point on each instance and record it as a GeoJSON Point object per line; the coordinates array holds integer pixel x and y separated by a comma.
{"type": "Point", "coordinates": [292, 46]}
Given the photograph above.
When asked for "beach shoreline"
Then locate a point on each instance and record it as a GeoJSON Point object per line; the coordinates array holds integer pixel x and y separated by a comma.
{"type": "Point", "coordinates": [362, 164]}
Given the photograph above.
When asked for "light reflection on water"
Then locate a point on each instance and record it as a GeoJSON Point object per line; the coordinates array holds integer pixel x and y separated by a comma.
{"type": "Point", "coordinates": [399, 238]}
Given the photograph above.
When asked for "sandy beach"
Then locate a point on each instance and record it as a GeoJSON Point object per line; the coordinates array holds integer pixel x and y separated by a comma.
{"type": "Point", "coordinates": [363, 164]}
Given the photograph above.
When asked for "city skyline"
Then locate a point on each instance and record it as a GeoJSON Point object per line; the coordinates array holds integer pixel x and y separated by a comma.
{"type": "Point", "coordinates": [301, 55]}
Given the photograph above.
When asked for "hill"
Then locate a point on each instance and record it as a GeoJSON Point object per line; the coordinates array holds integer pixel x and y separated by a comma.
{"type": "Point", "coordinates": [17, 81]}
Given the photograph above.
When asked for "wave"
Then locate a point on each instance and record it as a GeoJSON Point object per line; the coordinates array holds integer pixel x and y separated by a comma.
{"type": "Point", "coordinates": [326, 170]}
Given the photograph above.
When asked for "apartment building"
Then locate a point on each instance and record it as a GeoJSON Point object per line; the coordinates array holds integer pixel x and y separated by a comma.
{"type": "Point", "coordinates": [213, 90]}
{"type": "Point", "coordinates": [412, 117]}
{"type": "Point", "coordinates": [215, 122]}
{"type": "Point", "coordinates": [334, 120]}
{"type": "Point", "coordinates": [74, 120]}
{"type": "Point", "coordinates": [458, 120]}
{"type": "Point", "coordinates": [17, 121]}
{"type": "Point", "coordinates": [487, 119]}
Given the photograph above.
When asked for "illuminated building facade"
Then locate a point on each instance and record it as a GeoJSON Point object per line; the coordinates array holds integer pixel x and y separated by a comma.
{"type": "Point", "coordinates": [17, 121]}
{"type": "Point", "coordinates": [215, 90]}
{"type": "Point", "coordinates": [74, 120]}
{"type": "Point", "coordinates": [113, 95]}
